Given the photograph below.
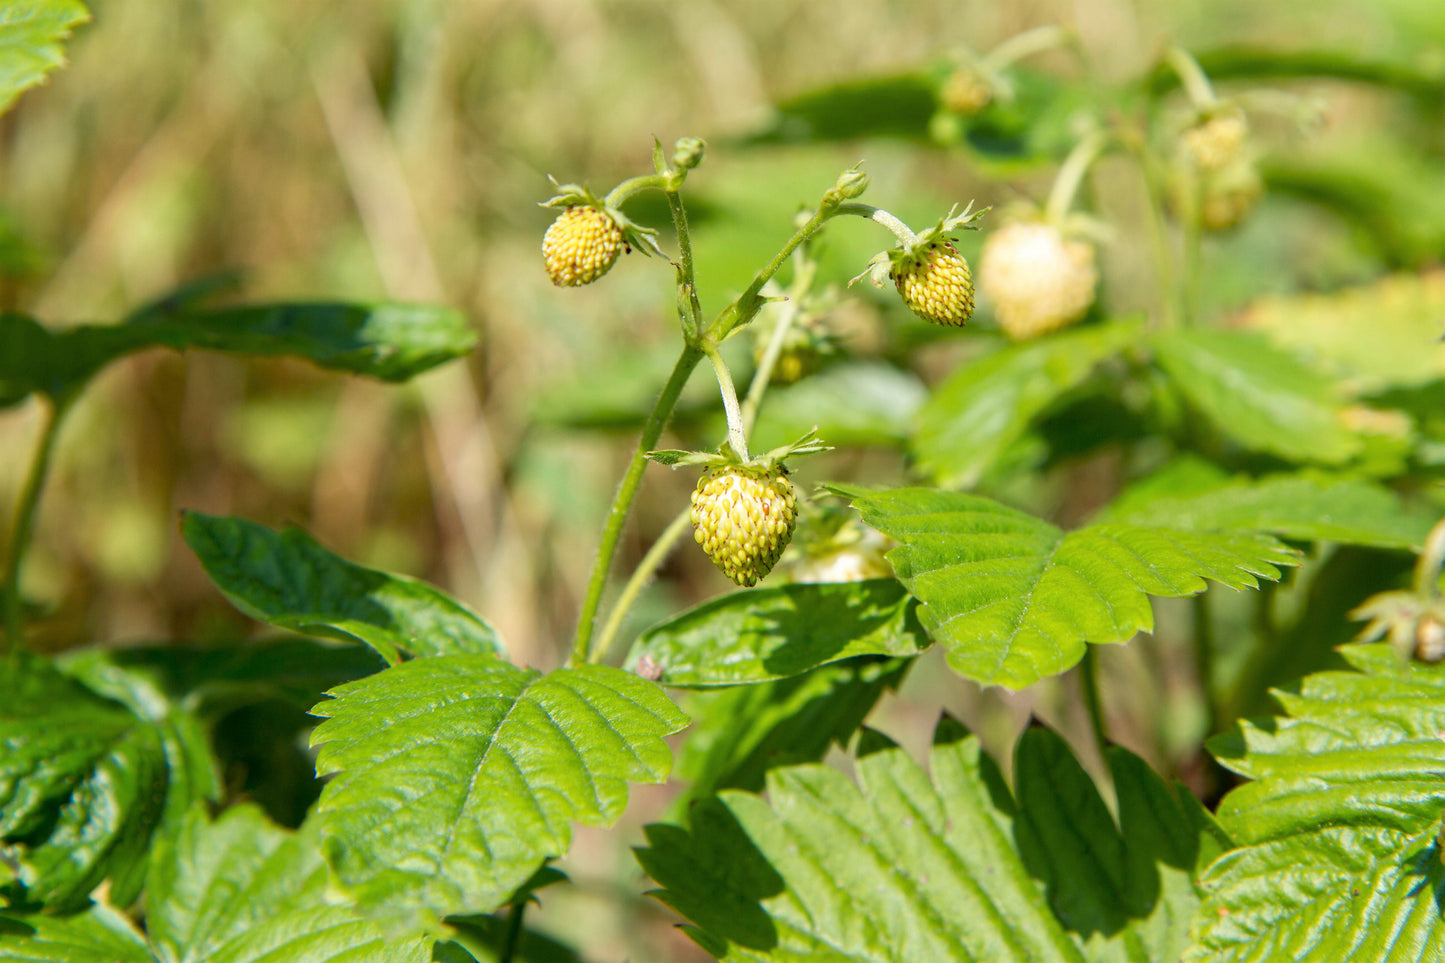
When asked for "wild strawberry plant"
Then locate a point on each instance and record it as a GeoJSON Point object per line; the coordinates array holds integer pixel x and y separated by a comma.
{"type": "Point", "coordinates": [454, 776]}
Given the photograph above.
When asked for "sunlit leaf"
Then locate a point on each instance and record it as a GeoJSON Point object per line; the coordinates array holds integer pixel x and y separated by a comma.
{"type": "Point", "coordinates": [1305, 507]}
{"type": "Point", "coordinates": [454, 778]}
{"type": "Point", "coordinates": [1260, 396]}
{"type": "Point", "coordinates": [31, 32]}
{"type": "Point", "coordinates": [862, 403]}
{"type": "Point", "coordinates": [901, 867]}
{"type": "Point", "coordinates": [290, 580]}
{"type": "Point", "coordinates": [989, 403]}
{"type": "Point", "coordinates": [1340, 855]}
{"type": "Point", "coordinates": [771, 633]}
{"type": "Point", "coordinates": [1015, 599]}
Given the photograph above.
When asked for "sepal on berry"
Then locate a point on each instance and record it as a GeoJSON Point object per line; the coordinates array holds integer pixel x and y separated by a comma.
{"type": "Point", "coordinates": [634, 235]}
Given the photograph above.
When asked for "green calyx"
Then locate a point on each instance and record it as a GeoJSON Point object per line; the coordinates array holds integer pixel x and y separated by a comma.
{"type": "Point", "coordinates": [725, 457]}
{"type": "Point", "coordinates": [913, 248]}
{"type": "Point", "coordinates": [634, 235]}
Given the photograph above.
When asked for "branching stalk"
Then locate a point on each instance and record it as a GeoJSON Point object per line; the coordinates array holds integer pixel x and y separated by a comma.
{"type": "Point", "coordinates": [25, 519]}
{"type": "Point", "coordinates": [737, 438]}
{"type": "Point", "coordinates": [1071, 176]}
{"type": "Point", "coordinates": [902, 231]}
{"type": "Point", "coordinates": [643, 574]}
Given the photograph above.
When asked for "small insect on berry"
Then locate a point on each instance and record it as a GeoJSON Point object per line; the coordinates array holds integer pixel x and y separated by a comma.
{"type": "Point", "coordinates": [935, 283]}
{"type": "Point", "coordinates": [581, 246]}
{"type": "Point", "coordinates": [743, 519]}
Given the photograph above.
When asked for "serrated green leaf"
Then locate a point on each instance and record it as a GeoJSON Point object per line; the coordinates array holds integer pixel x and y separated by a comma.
{"type": "Point", "coordinates": [87, 784]}
{"type": "Point", "coordinates": [1340, 856]}
{"type": "Point", "coordinates": [99, 935]}
{"type": "Point", "coordinates": [741, 732]}
{"type": "Point", "coordinates": [236, 890]}
{"type": "Point", "coordinates": [31, 32]}
{"type": "Point", "coordinates": [291, 581]}
{"type": "Point", "coordinates": [456, 777]}
{"type": "Point", "coordinates": [1262, 397]}
{"type": "Point", "coordinates": [1015, 599]}
{"type": "Point", "coordinates": [771, 633]}
{"type": "Point", "coordinates": [1308, 507]}
{"type": "Point", "coordinates": [393, 342]}
{"type": "Point", "coordinates": [898, 106]}
{"type": "Point", "coordinates": [988, 404]}
{"type": "Point", "coordinates": [957, 869]}
{"type": "Point", "coordinates": [863, 403]}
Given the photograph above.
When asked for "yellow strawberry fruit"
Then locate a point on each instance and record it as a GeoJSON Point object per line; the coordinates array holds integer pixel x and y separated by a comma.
{"type": "Point", "coordinates": [743, 518]}
{"type": "Point", "coordinates": [581, 246]}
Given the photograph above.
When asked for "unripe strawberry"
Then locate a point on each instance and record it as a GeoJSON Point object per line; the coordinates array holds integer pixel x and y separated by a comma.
{"type": "Point", "coordinates": [1228, 195]}
{"type": "Point", "coordinates": [1215, 143]}
{"type": "Point", "coordinates": [1038, 279]}
{"type": "Point", "coordinates": [965, 92]}
{"type": "Point", "coordinates": [935, 283]}
{"type": "Point", "coordinates": [581, 246]}
{"type": "Point", "coordinates": [743, 519]}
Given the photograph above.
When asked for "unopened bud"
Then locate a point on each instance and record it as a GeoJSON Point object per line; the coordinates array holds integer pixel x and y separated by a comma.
{"type": "Point", "coordinates": [850, 184]}
{"type": "Point", "coordinates": [687, 153]}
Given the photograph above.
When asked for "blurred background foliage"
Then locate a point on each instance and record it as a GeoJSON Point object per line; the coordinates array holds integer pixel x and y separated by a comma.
{"type": "Point", "coordinates": [397, 148]}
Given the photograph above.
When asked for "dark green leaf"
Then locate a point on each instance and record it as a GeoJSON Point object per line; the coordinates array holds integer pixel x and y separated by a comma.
{"type": "Point", "coordinates": [899, 106]}
{"type": "Point", "coordinates": [1340, 856]}
{"type": "Point", "coordinates": [770, 633]}
{"type": "Point", "coordinates": [1259, 62]}
{"type": "Point", "coordinates": [455, 778]}
{"type": "Point", "coordinates": [389, 341]}
{"type": "Point", "coordinates": [487, 939]}
{"type": "Point", "coordinates": [901, 868]}
{"type": "Point", "coordinates": [1263, 398]}
{"type": "Point", "coordinates": [87, 784]}
{"type": "Point", "coordinates": [31, 32]}
{"type": "Point", "coordinates": [989, 403]}
{"type": "Point", "coordinates": [1307, 507]}
{"type": "Point", "coordinates": [1015, 599]}
{"type": "Point", "coordinates": [99, 935]}
{"type": "Point", "coordinates": [741, 732]}
{"type": "Point", "coordinates": [290, 580]}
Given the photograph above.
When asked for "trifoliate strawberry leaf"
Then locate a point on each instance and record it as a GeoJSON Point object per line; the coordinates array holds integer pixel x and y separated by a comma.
{"type": "Point", "coordinates": [88, 783]}
{"type": "Point", "coordinates": [1308, 507]}
{"type": "Point", "coordinates": [988, 404]}
{"type": "Point", "coordinates": [392, 342]}
{"type": "Point", "coordinates": [763, 634]}
{"type": "Point", "coordinates": [1015, 599]}
{"type": "Point", "coordinates": [1340, 855]}
{"type": "Point", "coordinates": [456, 777]}
{"type": "Point", "coordinates": [740, 732]}
{"type": "Point", "coordinates": [957, 868]}
{"type": "Point", "coordinates": [31, 32]}
{"type": "Point", "coordinates": [290, 580]}
{"type": "Point", "coordinates": [236, 890]}
{"type": "Point", "coordinates": [1260, 396]}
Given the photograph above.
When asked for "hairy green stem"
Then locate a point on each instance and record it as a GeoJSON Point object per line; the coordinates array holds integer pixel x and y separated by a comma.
{"type": "Point", "coordinates": [743, 310]}
{"type": "Point", "coordinates": [902, 231]}
{"type": "Point", "coordinates": [1093, 701]}
{"type": "Point", "coordinates": [805, 269]}
{"type": "Point", "coordinates": [25, 520]}
{"type": "Point", "coordinates": [636, 185]}
{"type": "Point", "coordinates": [736, 436]}
{"type": "Point", "coordinates": [622, 502]}
{"type": "Point", "coordinates": [692, 321]}
{"type": "Point", "coordinates": [638, 581]}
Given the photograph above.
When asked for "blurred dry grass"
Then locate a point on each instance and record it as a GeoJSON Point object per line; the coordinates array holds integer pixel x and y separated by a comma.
{"type": "Point", "coordinates": [397, 148]}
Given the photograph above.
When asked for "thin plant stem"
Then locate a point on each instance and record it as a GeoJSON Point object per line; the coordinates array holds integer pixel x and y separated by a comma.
{"type": "Point", "coordinates": [736, 437]}
{"type": "Point", "coordinates": [638, 581]}
{"type": "Point", "coordinates": [902, 231]}
{"type": "Point", "coordinates": [1192, 76]}
{"type": "Point", "coordinates": [1159, 240]}
{"type": "Point", "coordinates": [24, 521]}
{"type": "Point", "coordinates": [635, 185]}
{"type": "Point", "coordinates": [1093, 702]}
{"type": "Point", "coordinates": [1071, 175]}
{"type": "Point", "coordinates": [743, 310]}
{"type": "Point", "coordinates": [622, 502]}
{"type": "Point", "coordinates": [513, 937]}
{"type": "Point", "coordinates": [1193, 269]}
{"type": "Point", "coordinates": [1025, 44]}
{"type": "Point", "coordinates": [764, 373]}
{"type": "Point", "coordinates": [1204, 659]}
{"type": "Point", "coordinates": [692, 317]}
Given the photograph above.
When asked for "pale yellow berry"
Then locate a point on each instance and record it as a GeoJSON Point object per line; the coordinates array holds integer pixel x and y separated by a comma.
{"type": "Point", "coordinates": [965, 92]}
{"type": "Point", "coordinates": [1228, 195]}
{"type": "Point", "coordinates": [935, 283]}
{"type": "Point", "coordinates": [581, 246]}
{"type": "Point", "coordinates": [1216, 143]}
{"type": "Point", "coordinates": [1038, 279]}
{"type": "Point", "coordinates": [743, 519]}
